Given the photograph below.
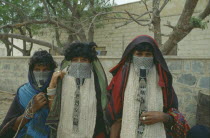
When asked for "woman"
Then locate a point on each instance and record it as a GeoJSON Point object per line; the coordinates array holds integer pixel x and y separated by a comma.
{"type": "Point", "coordinates": [142, 101]}
{"type": "Point", "coordinates": [80, 97]}
{"type": "Point", "coordinates": [27, 114]}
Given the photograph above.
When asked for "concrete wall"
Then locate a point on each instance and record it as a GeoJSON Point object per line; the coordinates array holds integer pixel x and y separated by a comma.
{"type": "Point", "coordinates": [2, 51]}
{"type": "Point", "coordinates": [191, 75]}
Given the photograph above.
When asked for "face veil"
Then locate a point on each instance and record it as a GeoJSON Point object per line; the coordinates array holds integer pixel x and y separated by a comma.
{"type": "Point", "coordinates": [41, 77]}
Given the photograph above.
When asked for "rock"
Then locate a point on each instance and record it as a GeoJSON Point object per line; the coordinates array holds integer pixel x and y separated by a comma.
{"type": "Point", "coordinates": [175, 65]}
{"type": "Point", "coordinates": [203, 109]}
{"type": "Point", "coordinates": [205, 82]}
{"type": "Point", "coordinates": [185, 89]}
{"type": "Point", "coordinates": [198, 66]}
{"type": "Point", "coordinates": [187, 65]}
{"type": "Point", "coordinates": [191, 108]}
{"type": "Point", "coordinates": [187, 79]}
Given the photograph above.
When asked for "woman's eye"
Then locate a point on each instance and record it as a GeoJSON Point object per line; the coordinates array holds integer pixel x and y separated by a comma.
{"type": "Point", "coordinates": [74, 60]}
{"type": "Point", "coordinates": [148, 54]}
{"type": "Point", "coordinates": [84, 60]}
{"type": "Point", "coordinates": [36, 69]}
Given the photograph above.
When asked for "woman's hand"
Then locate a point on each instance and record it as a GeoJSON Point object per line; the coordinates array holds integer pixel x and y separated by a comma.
{"type": "Point", "coordinates": [54, 80]}
{"type": "Point", "coordinates": [38, 102]}
{"type": "Point", "coordinates": [153, 117]}
{"type": "Point", "coordinates": [115, 129]}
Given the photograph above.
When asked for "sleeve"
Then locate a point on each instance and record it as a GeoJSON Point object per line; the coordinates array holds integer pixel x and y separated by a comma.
{"type": "Point", "coordinates": [177, 126]}
{"type": "Point", "coordinates": [13, 113]}
{"type": "Point", "coordinates": [114, 107]}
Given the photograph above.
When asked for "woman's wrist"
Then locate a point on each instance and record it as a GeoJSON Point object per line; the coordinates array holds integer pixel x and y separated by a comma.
{"type": "Point", "coordinates": [29, 113]}
{"type": "Point", "coordinates": [166, 118]}
{"type": "Point", "coordinates": [52, 85]}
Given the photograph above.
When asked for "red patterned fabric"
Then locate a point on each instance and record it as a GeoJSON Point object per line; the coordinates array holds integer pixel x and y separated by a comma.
{"type": "Point", "coordinates": [180, 126]}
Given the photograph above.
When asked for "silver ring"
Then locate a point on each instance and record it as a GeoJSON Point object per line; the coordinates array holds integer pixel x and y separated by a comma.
{"type": "Point", "coordinates": [144, 118]}
{"type": "Point", "coordinates": [58, 71]}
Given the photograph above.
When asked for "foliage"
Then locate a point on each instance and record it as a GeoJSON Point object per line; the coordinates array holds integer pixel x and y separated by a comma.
{"type": "Point", "coordinates": [198, 23]}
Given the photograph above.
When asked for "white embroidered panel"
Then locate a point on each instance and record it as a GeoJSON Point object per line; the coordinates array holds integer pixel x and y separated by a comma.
{"type": "Point", "coordinates": [131, 106]}
{"type": "Point", "coordinates": [88, 107]}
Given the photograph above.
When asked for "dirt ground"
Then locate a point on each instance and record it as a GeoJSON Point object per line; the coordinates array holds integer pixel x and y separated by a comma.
{"type": "Point", "coordinates": [5, 102]}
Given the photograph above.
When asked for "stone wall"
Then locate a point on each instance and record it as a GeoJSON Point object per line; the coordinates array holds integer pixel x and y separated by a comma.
{"type": "Point", "coordinates": [191, 75]}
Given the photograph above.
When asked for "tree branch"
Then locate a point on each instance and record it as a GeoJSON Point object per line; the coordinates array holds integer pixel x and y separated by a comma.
{"type": "Point", "coordinates": [30, 35]}
{"type": "Point", "coordinates": [145, 4]}
{"type": "Point", "coordinates": [52, 7]}
{"type": "Point", "coordinates": [66, 2]}
{"type": "Point", "coordinates": [46, 9]}
{"type": "Point", "coordinates": [9, 43]}
{"type": "Point", "coordinates": [169, 25]}
{"type": "Point", "coordinates": [187, 13]}
{"type": "Point", "coordinates": [205, 12]}
{"type": "Point", "coordinates": [183, 27]}
{"type": "Point", "coordinates": [37, 22]}
{"type": "Point", "coordinates": [156, 5]}
{"type": "Point", "coordinates": [137, 20]}
{"type": "Point", "coordinates": [163, 6]}
{"type": "Point", "coordinates": [28, 39]}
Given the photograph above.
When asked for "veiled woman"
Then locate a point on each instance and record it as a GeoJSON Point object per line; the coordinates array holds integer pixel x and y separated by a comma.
{"type": "Point", "coordinates": [142, 102]}
{"type": "Point", "coordinates": [29, 110]}
{"type": "Point", "coordinates": [78, 101]}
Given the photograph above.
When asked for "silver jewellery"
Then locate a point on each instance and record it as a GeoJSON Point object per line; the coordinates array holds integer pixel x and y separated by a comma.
{"type": "Point", "coordinates": [28, 114]}
{"type": "Point", "coordinates": [141, 98]}
{"type": "Point", "coordinates": [76, 112]}
{"type": "Point", "coordinates": [51, 91]}
{"type": "Point", "coordinates": [58, 71]}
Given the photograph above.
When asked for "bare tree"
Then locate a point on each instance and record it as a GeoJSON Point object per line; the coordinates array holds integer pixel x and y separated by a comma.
{"type": "Point", "coordinates": [184, 26]}
{"type": "Point", "coordinates": [73, 17]}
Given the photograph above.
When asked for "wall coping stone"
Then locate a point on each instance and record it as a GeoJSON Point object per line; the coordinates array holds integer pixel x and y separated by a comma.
{"type": "Point", "coordinates": [114, 57]}
{"type": "Point", "coordinates": [55, 57]}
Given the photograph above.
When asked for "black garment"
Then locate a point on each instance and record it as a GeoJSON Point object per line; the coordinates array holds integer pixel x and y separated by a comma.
{"type": "Point", "coordinates": [100, 123]}
{"type": "Point", "coordinates": [199, 131]}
